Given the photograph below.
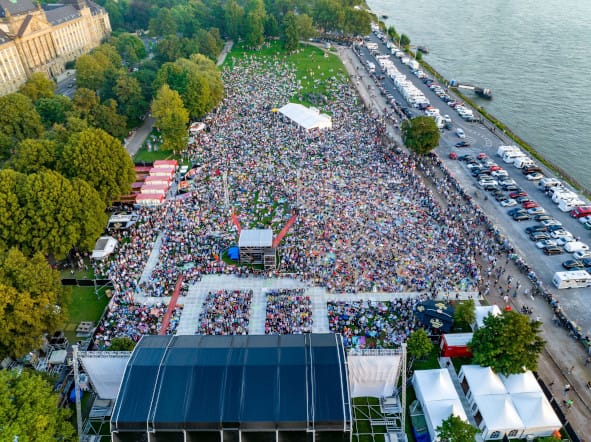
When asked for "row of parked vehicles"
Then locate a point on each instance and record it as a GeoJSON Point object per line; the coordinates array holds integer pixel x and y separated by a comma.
{"type": "Point", "coordinates": [549, 234]}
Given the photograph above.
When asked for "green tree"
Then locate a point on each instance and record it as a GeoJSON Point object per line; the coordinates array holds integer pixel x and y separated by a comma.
{"type": "Point", "coordinates": [128, 92]}
{"type": "Point", "coordinates": [163, 24]}
{"type": "Point", "coordinates": [357, 21]}
{"type": "Point", "coordinates": [392, 33]}
{"type": "Point", "coordinates": [291, 35]}
{"type": "Point", "coordinates": [32, 155]}
{"type": "Point", "coordinates": [105, 117]}
{"type": "Point", "coordinates": [420, 134]}
{"type": "Point", "coordinates": [29, 409]}
{"type": "Point", "coordinates": [35, 277]}
{"type": "Point", "coordinates": [454, 429]}
{"type": "Point", "coordinates": [329, 15]}
{"type": "Point", "coordinates": [404, 41]}
{"type": "Point", "coordinates": [169, 49]}
{"type": "Point", "coordinates": [96, 157]}
{"type": "Point", "coordinates": [234, 19]}
{"type": "Point", "coordinates": [11, 214]}
{"type": "Point", "coordinates": [121, 344]}
{"type": "Point", "coordinates": [306, 29]}
{"type": "Point", "coordinates": [130, 47]}
{"type": "Point", "coordinates": [171, 117]}
{"type": "Point", "coordinates": [465, 313]}
{"type": "Point", "coordinates": [509, 343]}
{"type": "Point", "coordinates": [38, 86]}
{"type": "Point", "coordinates": [91, 215]}
{"type": "Point", "coordinates": [89, 72]}
{"type": "Point", "coordinates": [255, 23]}
{"type": "Point", "coordinates": [53, 110]}
{"type": "Point", "coordinates": [18, 120]}
{"type": "Point", "coordinates": [418, 345]}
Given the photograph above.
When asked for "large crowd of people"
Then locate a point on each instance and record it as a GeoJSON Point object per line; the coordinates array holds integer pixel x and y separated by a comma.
{"type": "Point", "coordinates": [373, 324]}
{"type": "Point", "coordinates": [132, 320]}
{"type": "Point", "coordinates": [225, 312]}
{"type": "Point", "coordinates": [366, 221]}
{"type": "Point", "coordinates": [288, 311]}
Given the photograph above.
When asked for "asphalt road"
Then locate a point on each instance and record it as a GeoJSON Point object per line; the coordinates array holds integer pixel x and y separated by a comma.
{"type": "Point", "coordinates": [67, 86]}
{"type": "Point", "coordinates": [574, 301]}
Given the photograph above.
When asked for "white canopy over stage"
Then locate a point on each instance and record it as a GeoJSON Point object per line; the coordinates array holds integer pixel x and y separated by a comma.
{"type": "Point", "coordinates": [308, 118]}
{"type": "Point", "coordinates": [105, 370]}
{"type": "Point", "coordinates": [373, 376]}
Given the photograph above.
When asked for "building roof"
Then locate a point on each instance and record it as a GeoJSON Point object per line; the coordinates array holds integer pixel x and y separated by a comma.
{"type": "Point", "coordinates": [4, 38]}
{"type": "Point", "coordinates": [256, 238]}
{"type": "Point", "coordinates": [308, 118]}
{"type": "Point", "coordinates": [16, 7]}
{"type": "Point", "coordinates": [482, 311]}
{"type": "Point", "coordinates": [498, 412]}
{"type": "Point", "coordinates": [61, 14]}
{"type": "Point", "coordinates": [535, 411]}
{"type": "Point", "coordinates": [263, 382]}
{"type": "Point", "coordinates": [373, 375]}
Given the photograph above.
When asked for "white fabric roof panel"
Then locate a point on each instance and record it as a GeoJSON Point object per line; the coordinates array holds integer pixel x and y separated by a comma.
{"type": "Point", "coordinates": [438, 411]}
{"type": "Point", "coordinates": [498, 413]}
{"type": "Point", "coordinates": [256, 238]}
{"type": "Point", "coordinates": [457, 339]}
{"type": "Point", "coordinates": [482, 311]}
{"type": "Point", "coordinates": [433, 385]}
{"type": "Point", "coordinates": [106, 372]}
{"type": "Point", "coordinates": [521, 383]}
{"type": "Point", "coordinates": [536, 413]}
{"type": "Point", "coordinates": [306, 117]}
{"type": "Point", "coordinates": [373, 376]}
{"type": "Point", "coordinates": [483, 381]}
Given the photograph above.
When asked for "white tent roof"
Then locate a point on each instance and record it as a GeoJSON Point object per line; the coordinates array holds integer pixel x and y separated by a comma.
{"type": "Point", "coordinates": [483, 381]}
{"type": "Point", "coordinates": [457, 339]}
{"type": "Point", "coordinates": [105, 370]}
{"type": "Point", "coordinates": [105, 245]}
{"type": "Point", "coordinates": [498, 413]}
{"type": "Point", "coordinates": [521, 383]}
{"type": "Point", "coordinates": [482, 311]}
{"type": "Point", "coordinates": [433, 385]}
{"type": "Point", "coordinates": [438, 411]}
{"type": "Point", "coordinates": [256, 238]}
{"type": "Point", "coordinates": [308, 118]}
{"type": "Point", "coordinates": [536, 412]}
{"type": "Point", "coordinates": [373, 376]}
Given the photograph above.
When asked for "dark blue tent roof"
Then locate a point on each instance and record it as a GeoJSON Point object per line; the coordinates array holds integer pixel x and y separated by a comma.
{"type": "Point", "coordinates": [292, 382]}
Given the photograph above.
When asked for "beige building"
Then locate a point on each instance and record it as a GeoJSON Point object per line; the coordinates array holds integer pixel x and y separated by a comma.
{"type": "Point", "coordinates": [33, 39]}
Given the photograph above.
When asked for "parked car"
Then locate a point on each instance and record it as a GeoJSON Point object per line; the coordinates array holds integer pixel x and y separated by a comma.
{"type": "Point", "coordinates": [546, 243]}
{"type": "Point", "coordinates": [538, 236]}
{"type": "Point", "coordinates": [509, 202]}
{"type": "Point", "coordinates": [534, 176]}
{"type": "Point", "coordinates": [517, 194]}
{"type": "Point", "coordinates": [560, 233]}
{"type": "Point", "coordinates": [536, 211]}
{"type": "Point", "coordinates": [563, 241]}
{"type": "Point", "coordinates": [521, 217]}
{"type": "Point", "coordinates": [582, 254]}
{"type": "Point", "coordinates": [460, 133]}
{"type": "Point", "coordinates": [515, 211]}
{"type": "Point", "coordinates": [536, 228]}
{"type": "Point", "coordinates": [530, 169]}
{"type": "Point", "coordinates": [553, 250]}
{"type": "Point", "coordinates": [482, 155]}
{"type": "Point", "coordinates": [586, 262]}
{"type": "Point", "coordinates": [542, 217]}
{"type": "Point", "coordinates": [463, 144]}
{"type": "Point", "coordinates": [551, 222]}
{"type": "Point", "coordinates": [573, 264]}
{"type": "Point", "coordinates": [510, 187]}
{"type": "Point", "coordinates": [530, 205]}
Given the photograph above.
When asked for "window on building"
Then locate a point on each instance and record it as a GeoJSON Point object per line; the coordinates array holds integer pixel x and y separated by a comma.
{"type": "Point", "coordinates": [495, 435]}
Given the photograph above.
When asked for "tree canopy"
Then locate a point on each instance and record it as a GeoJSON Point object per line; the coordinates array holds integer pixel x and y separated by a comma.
{"type": "Point", "coordinates": [101, 160]}
{"type": "Point", "coordinates": [18, 120]}
{"type": "Point", "coordinates": [465, 312]}
{"type": "Point", "coordinates": [29, 409]}
{"type": "Point", "coordinates": [171, 117]}
{"type": "Point", "coordinates": [509, 343]}
{"type": "Point", "coordinates": [38, 86]}
{"type": "Point", "coordinates": [32, 302]}
{"type": "Point", "coordinates": [419, 344]}
{"type": "Point", "coordinates": [420, 134]}
{"type": "Point", "coordinates": [454, 429]}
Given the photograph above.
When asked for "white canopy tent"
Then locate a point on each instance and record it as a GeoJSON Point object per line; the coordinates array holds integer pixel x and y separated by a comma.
{"type": "Point", "coordinates": [536, 413]}
{"type": "Point", "coordinates": [256, 238]}
{"type": "Point", "coordinates": [105, 370]}
{"type": "Point", "coordinates": [521, 383]}
{"type": "Point", "coordinates": [438, 396]}
{"type": "Point", "coordinates": [499, 417]}
{"type": "Point", "coordinates": [482, 381]}
{"type": "Point", "coordinates": [308, 118]}
{"type": "Point", "coordinates": [482, 311]}
{"type": "Point", "coordinates": [105, 245]}
{"type": "Point", "coordinates": [373, 376]}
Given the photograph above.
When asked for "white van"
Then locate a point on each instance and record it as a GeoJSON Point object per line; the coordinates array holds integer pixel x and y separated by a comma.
{"type": "Point", "coordinates": [510, 157]}
{"type": "Point", "coordinates": [546, 183]}
{"type": "Point", "coordinates": [572, 279]}
{"type": "Point", "coordinates": [520, 163]}
{"type": "Point", "coordinates": [566, 205]}
{"type": "Point", "coordinates": [503, 149]}
{"type": "Point", "coordinates": [460, 132]}
{"type": "Point", "coordinates": [575, 246]}
{"type": "Point", "coordinates": [563, 194]}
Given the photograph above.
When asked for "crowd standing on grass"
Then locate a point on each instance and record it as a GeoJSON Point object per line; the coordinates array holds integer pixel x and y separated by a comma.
{"type": "Point", "coordinates": [365, 219]}
{"type": "Point", "coordinates": [288, 311]}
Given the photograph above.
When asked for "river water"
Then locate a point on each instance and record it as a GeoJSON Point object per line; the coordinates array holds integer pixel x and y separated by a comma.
{"type": "Point", "coordinates": [534, 54]}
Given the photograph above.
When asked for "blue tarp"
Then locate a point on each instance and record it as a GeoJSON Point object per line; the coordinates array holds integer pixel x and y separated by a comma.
{"type": "Point", "coordinates": [291, 382]}
{"type": "Point", "coordinates": [234, 253]}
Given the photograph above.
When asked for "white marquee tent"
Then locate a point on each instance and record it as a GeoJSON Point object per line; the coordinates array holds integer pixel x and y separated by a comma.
{"type": "Point", "coordinates": [105, 370]}
{"type": "Point", "coordinates": [308, 118]}
{"type": "Point", "coordinates": [373, 376]}
{"type": "Point", "coordinates": [438, 397]}
{"type": "Point", "coordinates": [512, 405]}
{"type": "Point", "coordinates": [536, 413]}
{"type": "Point", "coordinates": [482, 311]}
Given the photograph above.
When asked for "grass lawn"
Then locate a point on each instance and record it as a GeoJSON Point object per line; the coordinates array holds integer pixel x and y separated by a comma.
{"type": "Point", "coordinates": [313, 68]}
{"type": "Point", "coordinates": [143, 155]}
{"type": "Point", "coordinates": [429, 362]}
{"type": "Point", "coordinates": [368, 408]}
{"type": "Point", "coordinates": [84, 306]}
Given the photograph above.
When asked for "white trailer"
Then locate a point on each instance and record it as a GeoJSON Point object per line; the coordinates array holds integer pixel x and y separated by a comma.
{"type": "Point", "coordinates": [572, 279]}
